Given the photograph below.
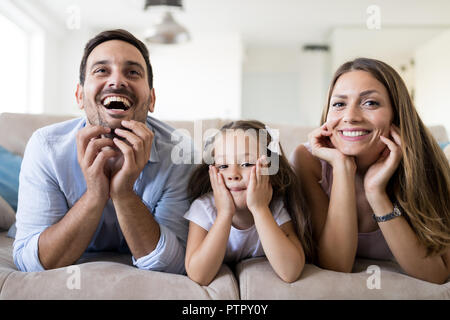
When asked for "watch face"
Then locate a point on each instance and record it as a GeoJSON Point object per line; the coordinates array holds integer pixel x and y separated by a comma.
{"type": "Point", "coordinates": [397, 211]}
{"type": "Point", "coordinates": [389, 216]}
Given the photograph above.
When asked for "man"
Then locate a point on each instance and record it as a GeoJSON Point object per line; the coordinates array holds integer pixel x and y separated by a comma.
{"type": "Point", "coordinates": [105, 182]}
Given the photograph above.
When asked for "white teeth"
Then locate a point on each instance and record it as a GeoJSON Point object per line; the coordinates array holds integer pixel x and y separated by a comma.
{"type": "Point", "coordinates": [125, 101]}
{"type": "Point", "coordinates": [354, 133]}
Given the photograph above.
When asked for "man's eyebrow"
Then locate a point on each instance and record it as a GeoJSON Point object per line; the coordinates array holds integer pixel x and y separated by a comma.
{"type": "Point", "coordinates": [134, 63]}
{"type": "Point", "coordinates": [100, 63]}
{"type": "Point", "coordinates": [128, 63]}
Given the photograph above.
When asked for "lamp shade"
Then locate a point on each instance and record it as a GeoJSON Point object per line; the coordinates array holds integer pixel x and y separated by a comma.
{"type": "Point", "coordinates": [167, 32]}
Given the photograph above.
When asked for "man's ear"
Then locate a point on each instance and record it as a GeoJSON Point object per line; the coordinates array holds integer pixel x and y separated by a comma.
{"type": "Point", "coordinates": [151, 106]}
{"type": "Point", "coordinates": [79, 96]}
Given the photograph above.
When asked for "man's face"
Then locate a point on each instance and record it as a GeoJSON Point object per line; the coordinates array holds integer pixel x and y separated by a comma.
{"type": "Point", "coordinates": [116, 86]}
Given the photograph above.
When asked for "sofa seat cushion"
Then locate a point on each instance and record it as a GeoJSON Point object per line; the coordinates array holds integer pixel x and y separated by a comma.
{"type": "Point", "coordinates": [112, 278]}
{"type": "Point", "coordinates": [258, 281]}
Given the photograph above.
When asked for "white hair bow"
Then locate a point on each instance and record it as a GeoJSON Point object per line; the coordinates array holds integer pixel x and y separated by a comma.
{"type": "Point", "coordinates": [274, 145]}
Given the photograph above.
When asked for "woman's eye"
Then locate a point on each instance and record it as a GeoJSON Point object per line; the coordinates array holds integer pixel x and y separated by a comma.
{"type": "Point", "coordinates": [371, 103]}
{"type": "Point", "coordinates": [222, 166]}
{"type": "Point", "coordinates": [338, 104]}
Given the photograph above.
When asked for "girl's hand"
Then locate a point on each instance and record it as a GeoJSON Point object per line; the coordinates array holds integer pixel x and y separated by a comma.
{"type": "Point", "coordinates": [259, 189]}
{"type": "Point", "coordinates": [379, 173]}
{"type": "Point", "coordinates": [222, 196]}
{"type": "Point", "coordinates": [321, 145]}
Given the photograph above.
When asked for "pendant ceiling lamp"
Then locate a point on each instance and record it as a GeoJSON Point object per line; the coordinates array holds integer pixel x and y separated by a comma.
{"type": "Point", "coordinates": [168, 30]}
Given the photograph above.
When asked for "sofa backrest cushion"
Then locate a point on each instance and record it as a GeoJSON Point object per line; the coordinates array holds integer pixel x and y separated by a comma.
{"type": "Point", "coordinates": [9, 176]}
{"type": "Point", "coordinates": [16, 129]}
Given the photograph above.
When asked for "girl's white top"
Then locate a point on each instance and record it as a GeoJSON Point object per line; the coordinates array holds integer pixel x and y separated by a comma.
{"type": "Point", "coordinates": [242, 244]}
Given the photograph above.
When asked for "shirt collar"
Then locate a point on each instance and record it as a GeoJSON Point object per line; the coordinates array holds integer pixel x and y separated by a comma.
{"type": "Point", "coordinates": [154, 154]}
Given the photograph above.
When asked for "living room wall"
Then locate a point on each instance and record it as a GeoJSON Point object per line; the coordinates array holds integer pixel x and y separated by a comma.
{"type": "Point", "coordinates": [198, 79]}
{"type": "Point", "coordinates": [221, 75]}
{"type": "Point", "coordinates": [285, 85]}
{"type": "Point", "coordinates": [432, 69]}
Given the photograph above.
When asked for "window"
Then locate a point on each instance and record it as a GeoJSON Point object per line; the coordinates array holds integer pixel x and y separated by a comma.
{"type": "Point", "coordinates": [14, 66]}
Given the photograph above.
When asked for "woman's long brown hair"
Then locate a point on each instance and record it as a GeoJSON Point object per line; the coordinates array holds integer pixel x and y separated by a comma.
{"type": "Point", "coordinates": [421, 184]}
{"type": "Point", "coordinates": [285, 185]}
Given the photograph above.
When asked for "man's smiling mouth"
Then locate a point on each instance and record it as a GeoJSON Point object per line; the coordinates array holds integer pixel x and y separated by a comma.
{"type": "Point", "coordinates": [117, 103]}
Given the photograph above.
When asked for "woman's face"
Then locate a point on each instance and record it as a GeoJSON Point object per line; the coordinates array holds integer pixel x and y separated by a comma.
{"type": "Point", "coordinates": [359, 113]}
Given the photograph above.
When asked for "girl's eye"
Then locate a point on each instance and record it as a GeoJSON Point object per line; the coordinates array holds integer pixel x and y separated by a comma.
{"type": "Point", "coordinates": [247, 164]}
{"type": "Point", "coordinates": [222, 166]}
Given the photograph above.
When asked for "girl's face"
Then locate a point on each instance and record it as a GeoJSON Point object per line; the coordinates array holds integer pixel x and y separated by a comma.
{"type": "Point", "coordinates": [235, 153]}
{"type": "Point", "coordinates": [359, 113]}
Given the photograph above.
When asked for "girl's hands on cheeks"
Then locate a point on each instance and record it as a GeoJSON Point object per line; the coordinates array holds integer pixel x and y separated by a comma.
{"type": "Point", "coordinates": [259, 189]}
{"type": "Point", "coordinates": [379, 173]}
{"type": "Point", "coordinates": [222, 196]}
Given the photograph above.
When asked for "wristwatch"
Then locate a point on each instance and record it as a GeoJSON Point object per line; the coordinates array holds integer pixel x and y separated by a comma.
{"type": "Point", "coordinates": [389, 216]}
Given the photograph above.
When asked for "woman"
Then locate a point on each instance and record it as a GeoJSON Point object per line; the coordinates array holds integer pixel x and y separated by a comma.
{"type": "Point", "coordinates": [375, 179]}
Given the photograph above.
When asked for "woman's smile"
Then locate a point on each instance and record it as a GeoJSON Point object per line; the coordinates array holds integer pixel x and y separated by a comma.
{"type": "Point", "coordinates": [354, 134]}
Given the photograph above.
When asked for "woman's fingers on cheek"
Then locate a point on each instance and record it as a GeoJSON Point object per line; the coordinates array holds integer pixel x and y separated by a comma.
{"type": "Point", "coordinates": [331, 124]}
{"type": "Point", "coordinates": [395, 134]}
{"type": "Point", "coordinates": [386, 141]}
{"type": "Point", "coordinates": [393, 148]}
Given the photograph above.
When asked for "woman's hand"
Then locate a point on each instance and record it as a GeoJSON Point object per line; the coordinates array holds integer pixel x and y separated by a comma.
{"type": "Point", "coordinates": [379, 173]}
{"type": "Point", "coordinates": [322, 147]}
{"type": "Point", "coordinates": [259, 189]}
{"type": "Point", "coordinates": [222, 196]}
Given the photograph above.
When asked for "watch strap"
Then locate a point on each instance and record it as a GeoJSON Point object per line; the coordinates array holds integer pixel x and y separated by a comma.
{"type": "Point", "coordinates": [389, 216]}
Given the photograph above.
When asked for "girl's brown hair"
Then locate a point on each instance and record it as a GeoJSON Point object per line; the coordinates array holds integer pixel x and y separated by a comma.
{"type": "Point", "coordinates": [421, 184]}
{"type": "Point", "coordinates": [285, 185]}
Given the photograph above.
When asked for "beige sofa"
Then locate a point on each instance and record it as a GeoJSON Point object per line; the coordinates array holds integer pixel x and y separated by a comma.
{"type": "Point", "coordinates": [112, 276]}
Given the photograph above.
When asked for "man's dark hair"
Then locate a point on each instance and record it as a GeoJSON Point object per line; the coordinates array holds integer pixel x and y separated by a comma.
{"type": "Point", "coordinates": [118, 34]}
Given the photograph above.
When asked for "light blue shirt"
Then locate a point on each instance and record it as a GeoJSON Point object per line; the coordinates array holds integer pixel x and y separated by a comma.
{"type": "Point", "coordinates": [51, 182]}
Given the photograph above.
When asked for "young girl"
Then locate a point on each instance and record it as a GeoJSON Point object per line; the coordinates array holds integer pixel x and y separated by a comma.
{"type": "Point", "coordinates": [376, 181]}
{"type": "Point", "coordinates": [239, 212]}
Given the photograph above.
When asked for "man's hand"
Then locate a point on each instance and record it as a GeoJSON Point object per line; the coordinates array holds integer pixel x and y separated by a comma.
{"type": "Point", "coordinates": [136, 153]}
{"type": "Point", "coordinates": [92, 153]}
